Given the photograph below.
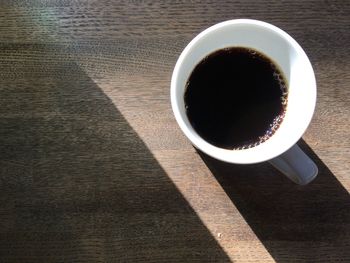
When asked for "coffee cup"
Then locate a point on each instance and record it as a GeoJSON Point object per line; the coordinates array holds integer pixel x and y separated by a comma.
{"type": "Point", "coordinates": [280, 149]}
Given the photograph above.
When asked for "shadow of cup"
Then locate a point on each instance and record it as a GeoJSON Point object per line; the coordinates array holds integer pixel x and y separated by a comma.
{"type": "Point", "coordinates": [307, 223]}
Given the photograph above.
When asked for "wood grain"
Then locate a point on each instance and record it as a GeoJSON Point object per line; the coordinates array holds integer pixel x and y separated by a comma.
{"type": "Point", "coordinates": [95, 169]}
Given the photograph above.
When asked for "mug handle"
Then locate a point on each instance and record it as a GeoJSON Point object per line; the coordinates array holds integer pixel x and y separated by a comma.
{"type": "Point", "coordinates": [296, 165]}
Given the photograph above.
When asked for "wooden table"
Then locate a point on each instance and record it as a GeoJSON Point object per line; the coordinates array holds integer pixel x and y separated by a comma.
{"type": "Point", "coordinates": [94, 167]}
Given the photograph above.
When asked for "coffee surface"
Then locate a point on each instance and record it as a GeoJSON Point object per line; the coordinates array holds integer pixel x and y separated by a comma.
{"type": "Point", "coordinates": [235, 98]}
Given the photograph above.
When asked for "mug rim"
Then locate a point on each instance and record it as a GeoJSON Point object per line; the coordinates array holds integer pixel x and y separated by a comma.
{"type": "Point", "coordinates": [245, 156]}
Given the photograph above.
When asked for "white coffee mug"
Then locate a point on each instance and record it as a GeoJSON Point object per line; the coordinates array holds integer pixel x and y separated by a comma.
{"type": "Point", "coordinates": [280, 149]}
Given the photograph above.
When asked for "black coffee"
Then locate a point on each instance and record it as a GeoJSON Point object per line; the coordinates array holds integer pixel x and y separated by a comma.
{"type": "Point", "coordinates": [236, 98]}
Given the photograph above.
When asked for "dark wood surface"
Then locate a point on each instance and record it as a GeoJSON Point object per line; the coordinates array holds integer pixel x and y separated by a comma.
{"type": "Point", "coordinates": [93, 167]}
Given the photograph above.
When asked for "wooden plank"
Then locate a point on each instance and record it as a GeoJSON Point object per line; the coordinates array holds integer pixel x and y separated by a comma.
{"type": "Point", "coordinates": [95, 169]}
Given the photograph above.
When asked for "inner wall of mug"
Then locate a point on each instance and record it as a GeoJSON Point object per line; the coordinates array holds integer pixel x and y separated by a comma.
{"type": "Point", "coordinates": [279, 47]}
